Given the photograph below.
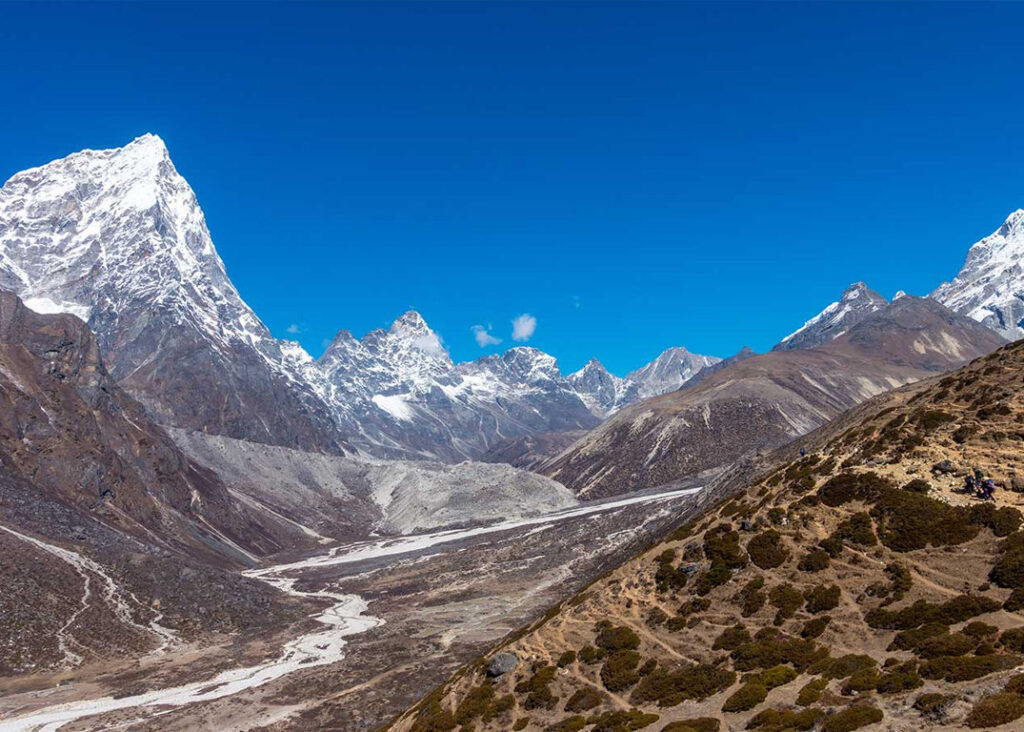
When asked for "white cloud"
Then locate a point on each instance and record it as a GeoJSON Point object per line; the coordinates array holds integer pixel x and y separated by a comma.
{"type": "Point", "coordinates": [483, 336]}
{"type": "Point", "coordinates": [293, 329]}
{"type": "Point", "coordinates": [429, 343]}
{"type": "Point", "coordinates": [523, 327]}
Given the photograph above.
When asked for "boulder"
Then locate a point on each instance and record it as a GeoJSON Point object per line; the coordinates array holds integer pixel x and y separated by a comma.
{"type": "Point", "coordinates": [501, 664]}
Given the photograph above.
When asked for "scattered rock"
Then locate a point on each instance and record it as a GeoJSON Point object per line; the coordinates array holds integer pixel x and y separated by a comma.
{"type": "Point", "coordinates": [944, 466]}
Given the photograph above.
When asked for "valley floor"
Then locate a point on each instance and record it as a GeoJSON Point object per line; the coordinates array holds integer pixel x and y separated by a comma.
{"type": "Point", "coordinates": [400, 614]}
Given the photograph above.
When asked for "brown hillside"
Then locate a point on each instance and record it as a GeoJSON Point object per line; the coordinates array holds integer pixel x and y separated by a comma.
{"type": "Point", "coordinates": [854, 588]}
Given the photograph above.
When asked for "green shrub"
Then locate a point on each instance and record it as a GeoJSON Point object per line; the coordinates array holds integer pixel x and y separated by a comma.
{"type": "Point", "coordinates": [918, 485]}
{"type": "Point", "coordinates": [1015, 602]}
{"type": "Point", "coordinates": [669, 688]}
{"type": "Point", "coordinates": [848, 665]}
{"type": "Point", "coordinates": [619, 670]}
{"type": "Point", "coordinates": [537, 689]}
{"type": "Point", "coordinates": [767, 551]}
{"type": "Point", "coordinates": [857, 529]}
{"type": "Point", "coordinates": [822, 598]}
{"type": "Point", "coordinates": [722, 544]}
{"type": "Point", "coordinates": [715, 576]}
{"type": "Point", "coordinates": [852, 718]}
{"type": "Point", "coordinates": [731, 638]}
{"type": "Point", "coordinates": [621, 721]}
{"type": "Point", "coordinates": [814, 561]}
{"type": "Point", "coordinates": [765, 652]}
{"type": "Point", "coordinates": [1008, 570]}
{"type": "Point", "coordinates": [566, 659]}
{"type": "Point", "coordinates": [649, 665]}
{"type": "Point", "coordinates": [589, 654]}
{"type": "Point", "coordinates": [700, 724]}
{"type": "Point", "coordinates": [1002, 521]}
{"type": "Point", "coordinates": [967, 668]}
{"type": "Point", "coordinates": [907, 640]}
{"type": "Point", "coordinates": [776, 676]}
{"type": "Point", "coordinates": [848, 486]}
{"type": "Point", "coordinates": [584, 699]}
{"type": "Point", "coordinates": [475, 703]}
{"type": "Point", "coordinates": [694, 605]}
{"type": "Point", "coordinates": [811, 692]}
{"type": "Point", "coordinates": [953, 644]}
{"type": "Point", "coordinates": [995, 710]}
{"type": "Point", "coordinates": [667, 577]}
{"type": "Point", "coordinates": [977, 629]}
{"type": "Point", "coordinates": [957, 610]}
{"type": "Point", "coordinates": [613, 638]}
{"type": "Point", "coordinates": [432, 718]}
{"type": "Point", "coordinates": [569, 724]}
{"type": "Point", "coordinates": [815, 627]}
{"type": "Point", "coordinates": [909, 521]}
{"type": "Point", "coordinates": [787, 600]}
{"type": "Point", "coordinates": [521, 723]}
{"type": "Point", "coordinates": [902, 580]}
{"type": "Point", "coordinates": [864, 679]}
{"type": "Point", "coordinates": [897, 682]}
{"type": "Point", "coordinates": [499, 706]}
{"type": "Point", "coordinates": [785, 720]}
{"type": "Point", "coordinates": [1013, 639]}
{"type": "Point", "coordinates": [746, 697]}
{"type": "Point", "coordinates": [752, 597]}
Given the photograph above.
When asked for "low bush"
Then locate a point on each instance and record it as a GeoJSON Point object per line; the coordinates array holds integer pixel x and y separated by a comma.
{"type": "Point", "coordinates": [1012, 640]}
{"type": "Point", "coordinates": [619, 670]}
{"type": "Point", "coordinates": [952, 644]}
{"type": "Point", "coordinates": [814, 561]}
{"type": "Point", "coordinates": [668, 577]}
{"type": "Point", "coordinates": [967, 668]}
{"type": "Point", "coordinates": [669, 688]}
{"type": "Point", "coordinates": [902, 580]}
{"type": "Point", "coordinates": [918, 485]}
{"type": "Point", "coordinates": [699, 724]}
{"type": "Point", "coordinates": [752, 597]}
{"type": "Point", "coordinates": [746, 697]}
{"type": "Point", "coordinates": [1001, 521]}
{"type": "Point", "coordinates": [852, 718]}
{"type": "Point", "coordinates": [589, 654]}
{"type": "Point", "coordinates": [907, 640]}
{"type": "Point", "coordinates": [957, 610]}
{"type": "Point", "coordinates": [909, 521]}
{"type": "Point", "coordinates": [857, 529]}
{"type": "Point", "coordinates": [715, 576]}
{"type": "Point", "coordinates": [863, 680]}
{"type": "Point", "coordinates": [722, 544]}
{"type": "Point", "coordinates": [537, 689]}
{"type": "Point", "coordinates": [977, 629]}
{"type": "Point", "coordinates": [785, 720]}
{"type": "Point", "coordinates": [569, 724]}
{"type": "Point", "coordinates": [621, 721]}
{"type": "Point", "coordinates": [1008, 570]}
{"type": "Point", "coordinates": [933, 706]}
{"type": "Point", "coordinates": [995, 710]}
{"type": "Point", "coordinates": [821, 598]}
{"type": "Point", "coordinates": [767, 551]}
{"type": "Point", "coordinates": [584, 699]}
{"type": "Point", "coordinates": [731, 638]}
{"type": "Point", "coordinates": [787, 599]}
{"type": "Point", "coordinates": [815, 627]}
{"type": "Point", "coordinates": [848, 486]}
{"type": "Point", "coordinates": [566, 659]}
{"type": "Point", "coordinates": [845, 666]}
{"type": "Point", "coordinates": [765, 652]}
{"type": "Point", "coordinates": [475, 703]}
{"type": "Point", "coordinates": [898, 682]}
{"type": "Point", "coordinates": [811, 692]}
{"type": "Point", "coordinates": [777, 676]}
{"type": "Point", "coordinates": [613, 638]}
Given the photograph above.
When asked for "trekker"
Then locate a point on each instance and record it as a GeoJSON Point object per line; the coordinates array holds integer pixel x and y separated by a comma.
{"type": "Point", "coordinates": [988, 489]}
{"type": "Point", "coordinates": [969, 485]}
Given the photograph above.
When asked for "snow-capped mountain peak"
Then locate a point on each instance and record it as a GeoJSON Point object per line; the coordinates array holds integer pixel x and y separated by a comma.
{"type": "Point", "coordinates": [990, 286]}
{"type": "Point", "coordinates": [856, 303]}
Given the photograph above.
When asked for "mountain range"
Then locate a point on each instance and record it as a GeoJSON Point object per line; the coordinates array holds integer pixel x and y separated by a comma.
{"type": "Point", "coordinates": [117, 238]}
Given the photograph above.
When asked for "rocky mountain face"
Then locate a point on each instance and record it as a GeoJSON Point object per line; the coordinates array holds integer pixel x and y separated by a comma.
{"type": "Point", "coordinates": [101, 514]}
{"type": "Point", "coordinates": [604, 393]}
{"type": "Point", "coordinates": [117, 238]}
{"type": "Point", "coordinates": [856, 587]}
{"type": "Point", "coordinates": [856, 304]}
{"type": "Point", "coordinates": [990, 286]}
{"type": "Point", "coordinates": [765, 401]}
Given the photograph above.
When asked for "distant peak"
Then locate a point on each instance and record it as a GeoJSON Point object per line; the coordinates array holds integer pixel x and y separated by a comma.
{"type": "Point", "coordinates": [1014, 223]}
{"type": "Point", "coordinates": [411, 321]}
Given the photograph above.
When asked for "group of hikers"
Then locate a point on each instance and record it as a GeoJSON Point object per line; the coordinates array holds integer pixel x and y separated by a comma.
{"type": "Point", "coordinates": [978, 485]}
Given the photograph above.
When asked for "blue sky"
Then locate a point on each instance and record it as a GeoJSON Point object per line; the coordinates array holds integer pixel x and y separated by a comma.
{"type": "Point", "coordinates": [634, 176]}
